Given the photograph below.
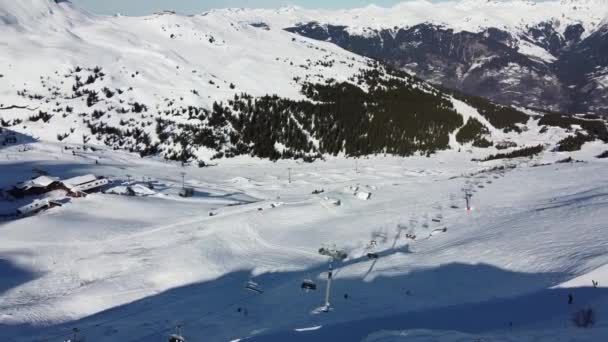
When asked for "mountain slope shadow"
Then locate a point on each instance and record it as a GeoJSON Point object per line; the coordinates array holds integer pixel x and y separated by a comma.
{"type": "Point", "coordinates": [527, 310]}
{"type": "Point", "coordinates": [448, 297]}
{"type": "Point", "coordinates": [12, 276]}
{"type": "Point", "coordinates": [10, 138]}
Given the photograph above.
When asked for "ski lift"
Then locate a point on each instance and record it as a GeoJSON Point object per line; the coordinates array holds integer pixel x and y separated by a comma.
{"type": "Point", "coordinates": [177, 337]}
{"type": "Point", "coordinates": [254, 287]}
{"type": "Point", "coordinates": [76, 337]}
{"type": "Point", "coordinates": [308, 285]}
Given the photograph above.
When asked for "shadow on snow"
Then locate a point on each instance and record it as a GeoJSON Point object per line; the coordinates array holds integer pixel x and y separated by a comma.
{"type": "Point", "coordinates": [448, 297]}
{"type": "Point", "coordinates": [12, 275]}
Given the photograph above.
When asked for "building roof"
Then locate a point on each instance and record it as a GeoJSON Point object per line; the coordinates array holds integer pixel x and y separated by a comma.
{"type": "Point", "coordinates": [90, 185]}
{"type": "Point", "coordinates": [40, 182]}
{"type": "Point", "coordinates": [59, 201]}
{"type": "Point", "coordinates": [76, 181]}
{"type": "Point", "coordinates": [34, 206]}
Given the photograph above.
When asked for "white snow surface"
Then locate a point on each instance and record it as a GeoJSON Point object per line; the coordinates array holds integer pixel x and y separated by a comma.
{"type": "Point", "coordinates": [131, 268]}
{"type": "Point", "coordinates": [529, 49]}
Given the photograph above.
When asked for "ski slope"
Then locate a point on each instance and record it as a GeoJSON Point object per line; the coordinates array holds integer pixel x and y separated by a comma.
{"type": "Point", "coordinates": [131, 268]}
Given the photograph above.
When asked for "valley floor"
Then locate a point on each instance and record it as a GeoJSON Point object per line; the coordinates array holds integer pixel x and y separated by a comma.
{"type": "Point", "coordinates": [132, 268]}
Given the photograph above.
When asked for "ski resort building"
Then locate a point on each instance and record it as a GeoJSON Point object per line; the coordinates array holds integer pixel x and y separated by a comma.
{"type": "Point", "coordinates": [33, 208]}
{"type": "Point", "coordinates": [81, 185]}
{"type": "Point", "coordinates": [75, 187]}
{"type": "Point", "coordinates": [36, 186]}
{"type": "Point", "coordinates": [41, 205]}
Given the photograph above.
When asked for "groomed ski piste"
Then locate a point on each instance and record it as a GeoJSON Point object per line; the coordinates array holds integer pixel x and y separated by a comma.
{"type": "Point", "coordinates": [131, 268]}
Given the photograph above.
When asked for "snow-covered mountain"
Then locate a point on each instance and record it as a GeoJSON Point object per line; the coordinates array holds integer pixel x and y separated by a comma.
{"type": "Point", "coordinates": [513, 52]}
{"type": "Point", "coordinates": [58, 60]}
{"type": "Point", "coordinates": [463, 15]}
{"type": "Point", "coordinates": [195, 87]}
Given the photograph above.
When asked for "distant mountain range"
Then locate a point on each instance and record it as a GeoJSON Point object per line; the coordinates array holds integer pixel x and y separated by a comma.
{"type": "Point", "coordinates": [550, 55]}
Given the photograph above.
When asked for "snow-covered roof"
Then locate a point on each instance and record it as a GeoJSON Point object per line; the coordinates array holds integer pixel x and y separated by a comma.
{"type": "Point", "coordinates": [90, 185]}
{"type": "Point", "coordinates": [60, 201]}
{"type": "Point", "coordinates": [40, 182]}
{"type": "Point", "coordinates": [75, 181]}
{"type": "Point", "coordinates": [138, 189]}
{"type": "Point", "coordinates": [34, 206]}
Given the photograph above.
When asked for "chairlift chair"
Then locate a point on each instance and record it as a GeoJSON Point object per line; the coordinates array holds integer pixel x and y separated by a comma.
{"type": "Point", "coordinates": [177, 337]}
{"type": "Point", "coordinates": [254, 287]}
{"type": "Point", "coordinates": [373, 255]}
{"type": "Point", "coordinates": [308, 285]}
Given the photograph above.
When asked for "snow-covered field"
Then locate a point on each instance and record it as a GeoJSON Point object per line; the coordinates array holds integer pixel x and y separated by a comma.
{"type": "Point", "coordinates": [131, 268]}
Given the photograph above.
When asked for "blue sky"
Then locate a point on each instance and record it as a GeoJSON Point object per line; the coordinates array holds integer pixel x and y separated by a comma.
{"type": "Point", "coordinates": [140, 7]}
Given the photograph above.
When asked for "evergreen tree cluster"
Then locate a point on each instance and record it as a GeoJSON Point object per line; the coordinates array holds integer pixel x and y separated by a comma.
{"type": "Point", "coordinates": [502, 117]}
{"type": "Point", "coordinates": [595, 128]}
{"type": "Point", "coordinates": [44, 116]}
{"type": "Point", "coordinates": [393, 117]}
{"type": "Point", "coordinates": [378, 111]}
{"type": "Point", "coordinates": [474, 131]}
{"type": "Point", "coordinates": [523, 152]}
{"type": "Point", "coordinates": [573, 142]}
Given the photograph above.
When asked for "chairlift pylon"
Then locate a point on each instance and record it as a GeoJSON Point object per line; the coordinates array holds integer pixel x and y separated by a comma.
{"type": "Point", "coordinates": [177, 337]}
{"type": "Point", "coordinates": [76, 337]}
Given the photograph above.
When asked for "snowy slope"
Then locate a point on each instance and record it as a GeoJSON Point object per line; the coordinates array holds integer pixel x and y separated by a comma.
{"type": "Point", "coordinates": [39, 15]}
{"type": "Point", "coordinates": [203, 49]}
{"type": "Point", "coordinates": [163, 61]}
{"type": "Point", "coordinates": [140, 265]}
